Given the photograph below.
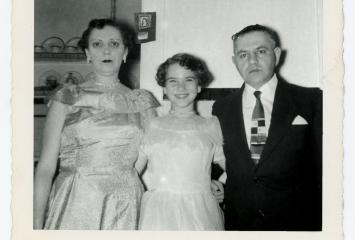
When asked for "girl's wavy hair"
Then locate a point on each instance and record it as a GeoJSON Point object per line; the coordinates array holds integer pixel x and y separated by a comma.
{"type": "Point", "coordinates": [188, 61]}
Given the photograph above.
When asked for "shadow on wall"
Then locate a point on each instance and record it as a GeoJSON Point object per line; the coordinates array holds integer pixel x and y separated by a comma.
{"type": "Point", "coordinates": [129, 72]}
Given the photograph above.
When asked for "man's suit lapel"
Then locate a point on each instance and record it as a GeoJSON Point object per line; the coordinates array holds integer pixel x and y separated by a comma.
{"type": "Point", "coordinates": [281, 119]}
{"type": "Point", "coordinates": [238, 121]}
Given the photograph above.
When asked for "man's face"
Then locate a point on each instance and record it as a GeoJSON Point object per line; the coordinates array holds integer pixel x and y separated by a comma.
{"type": "Point", "coordinates": [255, 57]}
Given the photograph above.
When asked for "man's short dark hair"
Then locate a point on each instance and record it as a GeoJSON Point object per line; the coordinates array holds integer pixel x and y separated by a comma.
{"type": "Point", "coordinates": [259, 28]}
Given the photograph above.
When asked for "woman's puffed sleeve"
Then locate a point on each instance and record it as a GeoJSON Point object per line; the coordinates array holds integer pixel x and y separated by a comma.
{"type": "Point", "coordinates": [136, 101]}
{"type": "Point", "coordinates": [147, 105]}
{"type": "Point", "coordinates": [146, 100]}
{"type": "Point", "coordinates": [65, 94]}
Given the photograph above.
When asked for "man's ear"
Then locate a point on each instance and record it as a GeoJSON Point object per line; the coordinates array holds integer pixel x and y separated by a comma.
{"type": "Point", "coordinates": [277, 51]}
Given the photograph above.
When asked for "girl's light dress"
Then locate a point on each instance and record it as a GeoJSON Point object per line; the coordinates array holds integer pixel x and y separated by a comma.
{"type": "Point", "coordinates": [180, 149]}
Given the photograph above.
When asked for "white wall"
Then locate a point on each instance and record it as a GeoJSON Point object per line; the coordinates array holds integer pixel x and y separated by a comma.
{"type": "Point", "coordinates": [205, 27]}
{"type": "Point", "coordinates": [67, 18]}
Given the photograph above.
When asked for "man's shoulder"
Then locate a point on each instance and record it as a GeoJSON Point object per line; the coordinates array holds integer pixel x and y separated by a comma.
{"type": "Point", "coordinates": [301, 91]}
{"type": "Point", "coordinates": [304, 98]}
{"type": "Point", "coordinates": [223, 104]}
{"type": "Point", "coordinates": [229, 98]}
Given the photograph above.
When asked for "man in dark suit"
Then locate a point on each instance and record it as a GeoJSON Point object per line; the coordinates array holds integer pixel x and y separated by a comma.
{"type": "Point", "coordinates": [272, 142]}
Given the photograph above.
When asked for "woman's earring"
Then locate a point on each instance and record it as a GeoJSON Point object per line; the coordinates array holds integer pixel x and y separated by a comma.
{"type": "Point", "coordinates": [164, 94]}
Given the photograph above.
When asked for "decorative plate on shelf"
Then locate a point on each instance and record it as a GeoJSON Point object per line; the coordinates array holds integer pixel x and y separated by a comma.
{"type": "Point", "coordinates": [71, 46]}
{"type": "Point", "coordinates": [50, 79]}
{"type": "Point", "coordinates": [72, 77]}
{"type": "Point", "coordinates": [90, 76]}
{"type": "Point", "coordinates": [39, 49]}
{"type": "Point", "coordinates": [71, 49]}
{"type": "Point", "coordinates": [53, 45]}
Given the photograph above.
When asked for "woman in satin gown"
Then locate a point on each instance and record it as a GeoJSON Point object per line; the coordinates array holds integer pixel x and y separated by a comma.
{"type": "Point", "coordinates": [179, 149]}
{"type": "Point", "coordinates": [93, 129]}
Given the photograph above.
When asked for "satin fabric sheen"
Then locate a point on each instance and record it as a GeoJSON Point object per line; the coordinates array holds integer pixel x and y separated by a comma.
{"type": "Point", "coordinates": [97, 186]}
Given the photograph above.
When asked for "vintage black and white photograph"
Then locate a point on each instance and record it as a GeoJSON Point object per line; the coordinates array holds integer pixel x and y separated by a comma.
{"type": "Point", "coordinates": [213, 121]}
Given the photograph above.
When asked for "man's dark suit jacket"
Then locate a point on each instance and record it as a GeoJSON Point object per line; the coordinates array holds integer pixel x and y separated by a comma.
{"type": "Point", "coordinates": [284, 191]}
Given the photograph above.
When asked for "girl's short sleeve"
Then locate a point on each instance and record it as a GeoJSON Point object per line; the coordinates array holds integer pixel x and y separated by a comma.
{"type": "Point", "coordinates": [143, 139]}
{"type": "Point", "coordinates": [216, 132]}
{"type": "Point", "coordinates": [218, 140]}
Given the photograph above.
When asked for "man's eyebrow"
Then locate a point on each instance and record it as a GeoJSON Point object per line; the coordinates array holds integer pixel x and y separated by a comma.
{"type": "Point", "coordinates": [258, 47]}
{"type": "Point", "coordinates": [240, 51]}
{"type": "Point", "coordinates": [262, 46]}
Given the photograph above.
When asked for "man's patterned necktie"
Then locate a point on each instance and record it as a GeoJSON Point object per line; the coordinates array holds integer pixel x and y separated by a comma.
{"type": "Point", "coordinates": [258, 130]}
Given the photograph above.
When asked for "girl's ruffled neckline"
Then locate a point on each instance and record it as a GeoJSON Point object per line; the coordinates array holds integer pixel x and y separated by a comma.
{"type": "Point", "coordinates": [182, 114]}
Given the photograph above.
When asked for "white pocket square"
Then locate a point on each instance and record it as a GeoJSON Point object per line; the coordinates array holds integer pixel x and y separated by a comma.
{"type": "Point", "coordinates": [299, 121]}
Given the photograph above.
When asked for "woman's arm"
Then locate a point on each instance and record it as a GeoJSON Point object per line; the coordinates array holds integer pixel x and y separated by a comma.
{"type": "Point", "coordinates": [216, 185]}
{"type": "Point", "coordinates": [46, 167]}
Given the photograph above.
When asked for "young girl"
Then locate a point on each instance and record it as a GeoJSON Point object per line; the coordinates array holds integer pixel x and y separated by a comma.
{"type": "Point", "coordinates": [179, 148]}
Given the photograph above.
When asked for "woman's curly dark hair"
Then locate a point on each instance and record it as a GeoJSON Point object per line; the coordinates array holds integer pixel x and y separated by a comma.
{"type": "Point", "coordinates": [188, 61]}
{"type": "Point", "coordinates": [126, 32]}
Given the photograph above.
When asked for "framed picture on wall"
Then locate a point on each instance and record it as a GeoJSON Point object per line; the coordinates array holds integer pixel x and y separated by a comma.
{"type": "Point", "coordinates": [145, 26]}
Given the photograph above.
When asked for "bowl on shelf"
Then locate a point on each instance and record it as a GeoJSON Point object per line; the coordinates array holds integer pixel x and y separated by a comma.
{"type": "Point", "coordinates": [39, 49]}
{"type": "Point", "coordinates": [71, 46]}
{"type": "Point", "coordinates": [50, 79]}
{"type": "Point", "coordinates": [56, 49]}
{"type": "Point", "coordinates": [53, 45]}
{"type": "Point", "coordinates": [71, 49]}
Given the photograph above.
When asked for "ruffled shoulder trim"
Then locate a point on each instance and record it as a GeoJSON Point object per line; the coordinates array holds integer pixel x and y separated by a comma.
{"type": "Point", "coordinates": [131, 102]}
{"type": "Point", "coordinates": [141, 100]}
{"type": "Point", "coordinates": [66, 93]}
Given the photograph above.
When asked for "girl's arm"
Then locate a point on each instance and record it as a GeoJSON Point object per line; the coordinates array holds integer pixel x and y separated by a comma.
{"type": "Point", "coordinates": [216, 185]}
{"type": "Point", "coordinates": [219, 157]}
{"type": "Point", "coordinates": [46, 167]}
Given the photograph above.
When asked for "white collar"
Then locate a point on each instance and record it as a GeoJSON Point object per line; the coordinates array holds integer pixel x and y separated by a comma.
{"type": "Point", "coordinates": [268, 89]}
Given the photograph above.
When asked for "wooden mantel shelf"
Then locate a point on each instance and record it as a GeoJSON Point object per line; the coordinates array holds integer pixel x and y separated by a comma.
{"type": "Point", "coordinates": [66, 57]}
